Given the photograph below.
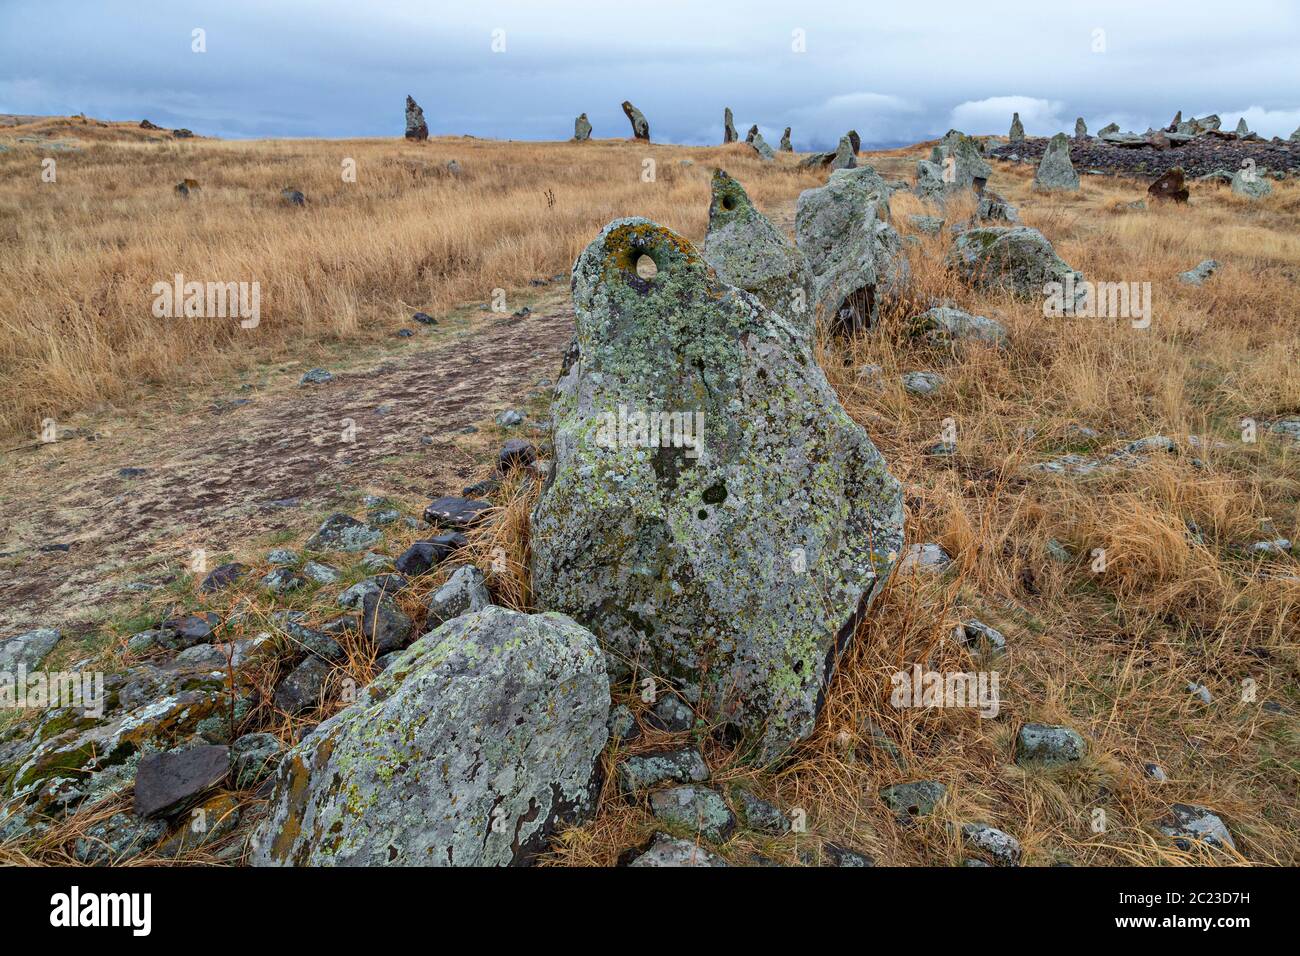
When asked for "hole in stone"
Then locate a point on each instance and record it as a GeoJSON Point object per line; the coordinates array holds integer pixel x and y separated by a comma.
{"type": "Point", "coordinates": [715, 495]}
{"type": "Point", "coordinates": [646, 268]}
{"type": "Point", "coordinates": [728, 202]}
{"type": "Point", "coordinates": [703, 513]}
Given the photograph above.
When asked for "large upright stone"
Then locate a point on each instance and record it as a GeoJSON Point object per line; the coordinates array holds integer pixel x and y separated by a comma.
{"type": "Point", "coordinates": [416, 128]}
{"type": "Point", "coordinates": [786, 145]}
{"type": "Point", "coordinates": [640, 127]}
{"type": "Point", "coordinates": [747, 251]}
{"type": "Point", "coordinates": [734, 566]}
{"type": "Point", "coordinates": [1017, 132]}
{"type": "Point", "coordinates": [1080, 129]}
{"type": "Point", "coordinates": [753, 131]}
{"type": "Point", "coordinates": [468, 750]}
{"type": "Point", "coordinates": [955, 165]}
{"type": "Point", "coordinates": [729, 134]}
{"type": "Point", "coordinates": [1055, 171]}
{"type": "Point", "coordinates": [855, 255]}
{"type": "Point", "coordinates": [581, 129]}
{"type": "Point", "coordinates": [1242, 130]}
{"type": "Point", "coordinates": [1295, 137]}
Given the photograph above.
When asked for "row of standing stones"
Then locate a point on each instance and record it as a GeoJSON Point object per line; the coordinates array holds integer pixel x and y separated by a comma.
{"type": "Point", "coordinates": [480, 738]}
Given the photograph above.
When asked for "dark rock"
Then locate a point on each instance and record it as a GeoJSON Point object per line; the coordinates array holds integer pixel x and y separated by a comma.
{"type": "Point", "coordinates": [301, 690]}
{"type": "Point", "coordinates": [380, 583]}
{"type": "Point", "coordinates": [516, 453]}
{"type": "Point", "coordinates": [316, 376]}
{"type": "Point", "coordinates": [165, 782]}
{"type": "Point", "coordinates": [786, 146]}
{"type": "Point", "coordinates": [455, 513]}
{"type": "Point", "coordinates": [293, 197]}
{"type": "Point", "coordinates": [640, 127]}
{"type": "Point", "coordinates": [464, 592]}
{"type": "Point", "coordinates": [416, 128]}
{"type": "Point", "coordinates": [182, 133]}
{"type": "Point", "coordinates": [117, 839]}
{"type": "Point", "coordinates": [481, 489]}
{"type": "Point", "coordinates": [145, 124]}
{"type": "Point", "coordinates": [622, 724]}
{"type": "Point", "coordinates": [642, 771]}
{"type": "Point", "coordinates": [222, 577]}
{"type": "Point", "coordinates": [424, 318]}
{"type": "Point", "coordinates": [837, 855]}
{"type": "Point", "coordinates": [423, 556]}
{"type": "Point", "coordinates": [729, 134]}
{"type": "Point", "coordinates": [671, 715]}
{"type": "Point", "coordinates": [581, 129]}
{"type": "Point", "coordinates": [342, 532]}
{"type": "Point", "coordinates": [185, 632]}
{"type": "Point", "coordinates": [1172, 185]}
{"type": "Point", "coordinates": [384, 624]}
{"type": "Point", "coordinates": [253, 758]}
{"type": "Point", "coordinates": [761, 815]}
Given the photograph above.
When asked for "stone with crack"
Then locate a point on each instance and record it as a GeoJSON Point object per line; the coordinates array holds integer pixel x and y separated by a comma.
{"type": "Point", "coordinates": [472, 747]}
{"type": "Point", "coordinates": [679, 553]}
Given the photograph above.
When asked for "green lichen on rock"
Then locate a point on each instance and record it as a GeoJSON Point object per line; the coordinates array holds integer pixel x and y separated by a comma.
{"type": "Point", "coordinates": [469, 750]}
{"type": "Point", "coordinates": [1013, 259]}
{"type": "Point", "coordinates": [736, 572]}
{"type": "Point", "coordinates": [747, 251]}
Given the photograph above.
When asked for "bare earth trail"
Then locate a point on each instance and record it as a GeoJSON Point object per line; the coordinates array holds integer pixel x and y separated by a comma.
{"type": "Point", "coordinates": [75, 530]}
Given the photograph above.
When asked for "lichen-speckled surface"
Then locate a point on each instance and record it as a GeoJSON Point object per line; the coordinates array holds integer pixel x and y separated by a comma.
{"type": "Point", "coordinates": [843, 228]}
{"type": "Point", "coordinates": [467, 751]}
{"type": "Point", "coordinates": [1014, 259]}
{"type": "Point", "coordinates": [747, 251]}
{"type": "Point", "coordinates": [732, 574]}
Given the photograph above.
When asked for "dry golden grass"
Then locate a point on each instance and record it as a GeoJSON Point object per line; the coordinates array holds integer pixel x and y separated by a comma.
{"type": "Point", "coordinates": [1108, 653]}
{"type": "Point", "coordinates": [79, 257]}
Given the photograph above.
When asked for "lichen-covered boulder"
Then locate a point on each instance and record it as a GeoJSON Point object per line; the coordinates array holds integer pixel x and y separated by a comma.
{"type": "Point", "coordinates": [714, 515]}
{"type": "Point", "coordinates": [786, 145]}
{"type": "Point", "coordinates": [729, 134]}
{"type": "Point", "coordinates": [1055, 171]}
{"type": "Point", "coordinates": [765, 152]}
{"type": "Point", "coordinates": [855, 254]}
{"type": "Point", "coordinates": [955, 165]}
{"type": "Point", "coordinates": [468, 750]}
{"type": "Point", "coordinates": [581, 129]}
{"type": "Point", "coordinates": [640, 125]}
{"type": "Point", "coordinates": [747, 251]}
{"type": "Point", "coordinates": [1017, 132]}
{"type": "Point", "coordinates": [1014, 259]}
{"type": "Point", "coordinates": [1250, 183]}
{"type": "Point", "coordinates": [416, 128]}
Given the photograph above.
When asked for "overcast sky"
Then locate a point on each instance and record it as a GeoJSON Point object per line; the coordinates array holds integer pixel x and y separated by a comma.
{"type": "Point", "coordinates": [896, 72]}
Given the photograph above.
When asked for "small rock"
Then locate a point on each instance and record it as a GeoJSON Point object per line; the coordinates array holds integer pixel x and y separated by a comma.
{"type": "Point", "coordinates": [342, 532]}
{"type": "Point", "coordinates": [516, 453]}
{"type": "Point", "coordinates": [423, 556]}
{"type": "Point", "coordinates": [253, 758]}
{"type": "Point", "coordinates": [1200, 692]}
{"type": "Point", "coordinates": [293, 197]}
{"type": "Point", "coordinates": [976, 634]}
{"type": "Point", "coordinates": [27, 650]}
{"type": "Point", "coordinates": [185, 632]}
{"type": "Point", "coordinates": [1155, 772]}
{"type": "Point", "coordinates": [697, 808]}
{"type": "Point", "coordinates": [424, 318]}
{"type": "Point", "coordinates": [909, 800]}
{"type": "Point", "coordinates": [117, 839]}
{"type": "Point", "coordinates": [165, 782]}
{"type": "Point", "coordinates": [1002, 847]}
{"type": "Point", "coordinates": [282, 556]}
{"type": "Point", "coordinates": [668, 851]}
{"type": "Point", "coordinates": [837, 855]}
{"type": "Point", "coordinates": [510, 418]}
{"type": "Point", "coordinates": [1200, 273]}
{"type": "Point", "coordinates": [922, 383]}
{"type": "Point", "coordinates": [352, 597]}
{"type": "Point", "coordinates": [455, 513]}
{"type": "Point", "coordinates": [321, 573]}
{"type": "Point", "coordinates": [301, 690]}
{"type": "Point", "coordinates": [925, 557]}
{"type": "Point", "coordinates": [1049, 745]}
{"type": "Point", "coordinates": [464, 592]}
{"type": "Point", "coordinates": [316, 376]}
{"type": "Point", "coordinates": [642, 771]}
{"type": "Point", "coordinates": [222, 577]}
{"type": "Point", "coordinates": [283, 580]}
{"type": "Point", "coordinates": [383, 624]}
{"type": "Point", "coordinates": [761, 815]}
{"type": "Point", "coordinates": [1187, 822]}
{"type": "Point", "coordinates": [671, 715]}
{"type": "Point", "coordinates": [622, 724]}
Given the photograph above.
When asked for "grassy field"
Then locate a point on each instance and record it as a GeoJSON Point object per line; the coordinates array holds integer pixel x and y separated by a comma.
{"type": "Point", "coordinates": [1181, 598]}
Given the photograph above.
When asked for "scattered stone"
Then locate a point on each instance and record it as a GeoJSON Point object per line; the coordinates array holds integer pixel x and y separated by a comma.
{"type": "Point", "coordinates": [510, 418]}
{"type": "Point", "coordinates": [182, 133]}
{"type": "Point", "coordinates": [696, 808]}
{"type": "Point", "coordinates": [27, 650]}
{"type": "Point", "coordinates": [671, 715]}
{"type": "Point", "coordinates": [922, 383]}
{"type": "Point", "coordinates": [283, 580]}
{"type": "Point", "coordinates": [759, 814]}
{"type": "Point", "coordinates": [642, 771]}
{"type": "Point", "coordinates": [416, 128]}
{"type": "Point", "coordinates": [202, 656]}
{"type": "Point", "coordinates": [222, 577]}
{"type": "Point", "coordinates": [1014, 259]}
{"type": "Point", "coordinates": [187, 631]}
{"type": "Point", "coordinates": [282, 556]}
{"type": "Point", "coordinates": [384, 624]}
{"type": "Point", "coordinates": [909, 800]}
{"type": "Point", "coordinates": [1055, 171]}
{"type": "Point", "coordinates": [463, 593]}
{"type": "Point", "coordinates": [535, 692]}
{"type": "Point", "coordinates": [729, 134]}
{"type": "Point", "coordinates": [956, 165]}
{"type": "Point", "coordinates": [581, 128]}
{"type": "Point", "coordinates": [622, 724]}
{"type": "Point", "coordinates": [423, 556]}
{"type": "Point", "coordinates": [668, 851]}
{"type": "Point", "coordinates": [926, 557]}
{"type": "Point", "coordinates": [713, 593]}
{"type": "Point", "coordinates": [640, 127]}
{"type": "Point", "coordinates": [1155, 772]}
{"type": "Point", "coordinates": [841, 856]}
{"type": "Point", "coordinates": [1277, 546]}
{"type": "Point", "coordinates": [1202, 272]}
{"type": "Point", "coordinates": [210, 822]}
{"type": "Point", "coordinates": [166, 782]}
{"type": "Point", "coordinates": [456, 513]}
{"type": "Point", "coordinates": [1250, 183]}
{"type": "Point", "coordinates": [293, 197]}
{"type": "Point", "coordinates": [316, 376]}
{"type": "Point", "coordinates": [1188, 822]}
{"type": "Point", "coordinates": [1080, 129]}
{"type": "Point", "coordinates": [1171, 185]}
{"type": "Point", "coordinates": [748, 252]}
{"type": "Point", "coordinates": [254, 757]}
{"type": "Point", "coordinates": [977, 635]}
{"type": "Point", "coordinates": [1049, 745]}
{"type": "Point", "coordinates": [930, 225]}
{"type": "Point", "coordinates": [947, 324]}
{"type": "Point", "coordinates": [342, 532]}
{"type": "Point", "coordinates": [1002, 847]}
{"type": "Point", "coordinates": [424, 318]}
{"type": "Point", "coordinates": [119, 838]}
{"type": "Point", "coordinates": [302, 689]}
{"type": "Point", "coordinates": [352, 597]}
{"type": "Point", "coordinates": [765, 152]}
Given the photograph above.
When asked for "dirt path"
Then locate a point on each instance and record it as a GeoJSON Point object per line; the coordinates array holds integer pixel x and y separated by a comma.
{"type": "Point", "coordinates": [75, 530]}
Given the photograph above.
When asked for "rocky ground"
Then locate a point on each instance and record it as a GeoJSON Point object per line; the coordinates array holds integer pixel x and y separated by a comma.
{"type": "Point", "coordinates": [1199, 157]}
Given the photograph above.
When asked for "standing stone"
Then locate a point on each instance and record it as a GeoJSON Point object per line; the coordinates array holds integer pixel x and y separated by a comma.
{"type": "Point", "coordinates": [1250, 183]}
{"type": "Point", "coordinates": [844, 157]}
{"type": "Point", "coordinates": [1177, 122]}
{"type": "Point", "coordinates": [1242, 130]}
{"type": "Point", "coordinates": [1017, 134]}
{"type": "Point", "coordinates": [470, 749]}
{"type": "Point", "coordinates": [581, 129]}
{"type": "Point", "coordinates": [753, 131]}
{"type": "Point", "coordinates": [1013, 259]}
{"type": "Point", "coordinates": [765, 152]}
{"type": "Point", "coordinates": [955, 165]}
{"type": "Point", "coordinates": [786, 146]}
{"type": "Point", "coordinates": [416, 128]}
{"type": "Point", "coordinates": [854, 140]}
{"type": "Point", "coordinates": [1172, 185]}
{"type": "Point", "coordinates": [1295, 137]}
{"type": "Point", "coordinates": [1080, 129]}
{"type": "Point", "coordinates": [747, 251]}
{"type": "Point", "coordinates": [735, 567]}
{"type": "Point", "coordinates": [1055, 171]}
{"type": "Point", "coordinates": [855, 255]}
{"type": "Point", "coordinates": [640, 127]}
{"type": "Point", "coordinates": [729, 134]}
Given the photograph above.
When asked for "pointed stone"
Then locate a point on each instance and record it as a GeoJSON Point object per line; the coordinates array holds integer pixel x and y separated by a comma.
{"type": "Point", "coordinates": [416, 128]}
{"type": "Point", "coordinates": [581, 129]}
{"type": "Point", "coordinates": [659, 529]}
{"type": "Point", "coordinates": [640, 126]}
{"type": "Point", "coordinates": [786, 146]}
{"type": "Point", "coordinates": [1055, 171]}
{"type": "Point", "coordinates": [765, 152]}
{"type": "Point", "coordinates": [753, 131]}
{"type": "Point", "coordinates": [747, 251]}
{"type": "Point", "coordinates": [955, 165]}
{"type": "Point", "coordinates": [729, 134]}
{"type": "Point", "coordinates": [1017, 133]}
{"type": "Point", "coordinates": [1080, 129]}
